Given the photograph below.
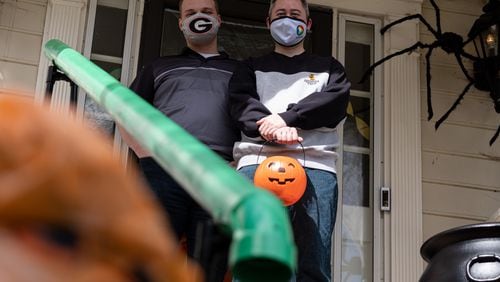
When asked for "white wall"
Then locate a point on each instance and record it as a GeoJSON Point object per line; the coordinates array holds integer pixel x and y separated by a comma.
{"type": "Point", "coordinates": [21, 31]}
{"type": "Point", "coordinates": [460, 171]}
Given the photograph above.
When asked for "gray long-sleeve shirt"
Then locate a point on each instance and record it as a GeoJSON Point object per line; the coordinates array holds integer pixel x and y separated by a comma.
{"type": "Point", "coordinates": [309, 92]}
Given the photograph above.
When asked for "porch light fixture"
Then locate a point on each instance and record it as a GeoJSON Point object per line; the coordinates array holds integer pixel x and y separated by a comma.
{"type": "Point", "coordinates": [485, 33]}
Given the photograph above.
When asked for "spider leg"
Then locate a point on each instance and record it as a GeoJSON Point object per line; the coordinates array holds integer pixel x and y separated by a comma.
{"type": "Point", "coordinates": [454, 106]}
{"type": "Point", "coordinates": [430, 112]}
{"type": "Point", "coordinates": [438, 16]}
{"type": "Point", "coordinates": [461, 64]}
{"type": "Point", "coordinates": [415, 16]}
{"type": "Point", "coordinates": [381, 61]}
{"type": "Point", "coordinates": [469, 56]}
{"type": "Point", "coordinates": [494, 138]}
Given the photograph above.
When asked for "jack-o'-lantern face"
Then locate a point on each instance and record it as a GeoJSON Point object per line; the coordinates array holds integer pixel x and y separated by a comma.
{"type": "Point", "coordinates": [283, 176]}
{"type": "Point", "coordinates": [280, 176]}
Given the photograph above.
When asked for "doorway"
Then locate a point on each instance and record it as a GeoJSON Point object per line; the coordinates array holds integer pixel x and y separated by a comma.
{"type": "Point", "coordinates": [242, 34]}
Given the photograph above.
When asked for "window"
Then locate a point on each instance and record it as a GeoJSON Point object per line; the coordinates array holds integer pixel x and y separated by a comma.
{"type": "Point", "coordinates": [358, 224]}
{"type": "Point", "coordinates": [107, 44]}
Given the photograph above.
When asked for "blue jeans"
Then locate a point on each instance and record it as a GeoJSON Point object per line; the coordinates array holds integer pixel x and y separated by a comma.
{"type": "Point", "coordinates": [185, 214]}
{"type": "Point", "coordinates": [313, 219]}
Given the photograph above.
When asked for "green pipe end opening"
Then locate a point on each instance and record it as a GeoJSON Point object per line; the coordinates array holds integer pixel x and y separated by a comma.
{"type": "Point", "coordinates": [263, 248]}
{"type": "Point", "coordinates": [261, 270]}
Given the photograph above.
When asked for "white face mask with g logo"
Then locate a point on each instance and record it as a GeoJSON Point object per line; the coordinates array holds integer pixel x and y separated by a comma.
{"type": "Point", "coordinates": [200, 28]}
{"type": "Point", "coordinates": [288, 31]}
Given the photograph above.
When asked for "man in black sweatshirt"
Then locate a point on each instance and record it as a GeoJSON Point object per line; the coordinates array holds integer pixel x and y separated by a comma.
{"type": "Point", "coordinates": [290, 97]}
{"type": "Point", "coordinates": [191, 90]}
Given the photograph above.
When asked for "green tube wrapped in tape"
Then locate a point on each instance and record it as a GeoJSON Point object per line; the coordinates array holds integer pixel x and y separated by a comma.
{"type": "Point", "coordinates": [262, 247]}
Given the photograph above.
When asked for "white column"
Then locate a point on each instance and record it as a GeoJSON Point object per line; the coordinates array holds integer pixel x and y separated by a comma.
{"type": "Point", "coordinates": [65, 21]}
{"type": "Point", "coordinates": [403, 155]}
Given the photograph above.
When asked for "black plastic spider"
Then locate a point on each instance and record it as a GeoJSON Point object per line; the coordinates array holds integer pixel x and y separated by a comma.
{"type": "Point", "coordinates": [451, 43]}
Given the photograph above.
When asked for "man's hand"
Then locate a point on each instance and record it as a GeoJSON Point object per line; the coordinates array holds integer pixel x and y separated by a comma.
{"type": "Point", "coordinates": [269, 124]}
{"type": "Point", "coordinates": [286, 135]}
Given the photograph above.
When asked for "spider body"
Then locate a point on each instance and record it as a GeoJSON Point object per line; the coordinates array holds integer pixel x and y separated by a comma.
{"type": "Point", "coordinates": [451, 43]}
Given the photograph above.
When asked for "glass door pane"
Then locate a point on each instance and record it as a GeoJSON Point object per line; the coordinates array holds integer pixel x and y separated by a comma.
{"type": "Point", "coordinates": [357, 172]}
{"type": "Point", "coordinates": [108, 40]}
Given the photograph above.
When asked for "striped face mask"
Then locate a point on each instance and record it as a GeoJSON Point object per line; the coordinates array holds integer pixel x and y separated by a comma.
{"type": "Point", "coordinates": [288, 31]}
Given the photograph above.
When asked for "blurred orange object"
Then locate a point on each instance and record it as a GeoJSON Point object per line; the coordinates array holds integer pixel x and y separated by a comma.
{"type": "Point", "coordinates": [57, 178]}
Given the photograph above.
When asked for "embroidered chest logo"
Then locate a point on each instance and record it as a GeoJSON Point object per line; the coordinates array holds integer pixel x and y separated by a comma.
{"type": "Point", "coordinates": [311, 80]}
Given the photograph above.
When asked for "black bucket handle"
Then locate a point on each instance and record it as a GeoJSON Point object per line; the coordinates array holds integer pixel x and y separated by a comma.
{"type": "Point", "coordinates": [272, 141]}
{"type": "Point", "coordinates": [484, 268]}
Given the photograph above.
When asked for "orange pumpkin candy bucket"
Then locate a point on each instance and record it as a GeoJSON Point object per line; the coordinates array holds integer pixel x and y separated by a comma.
{"type": "Point", "coordinates": [283, 176]}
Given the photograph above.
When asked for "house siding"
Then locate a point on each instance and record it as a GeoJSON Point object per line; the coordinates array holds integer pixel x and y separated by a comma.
{"type": "Point", "coordinates": [460, 171]}
{"type": "Point", "coordinates": [21, 31]}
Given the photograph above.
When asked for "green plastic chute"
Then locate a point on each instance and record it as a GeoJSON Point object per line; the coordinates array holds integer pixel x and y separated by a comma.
{"type": "Point", "coordinates": [262, 247]}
